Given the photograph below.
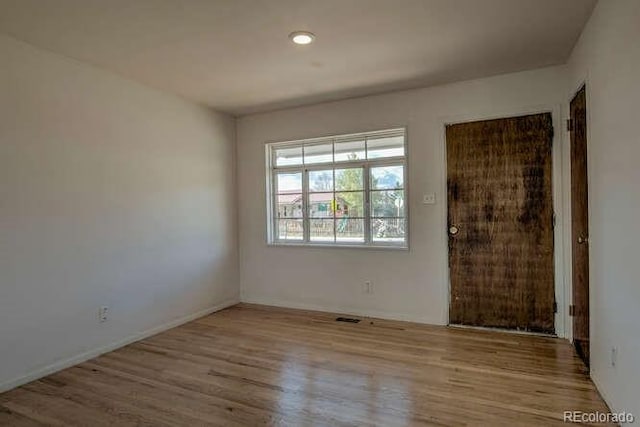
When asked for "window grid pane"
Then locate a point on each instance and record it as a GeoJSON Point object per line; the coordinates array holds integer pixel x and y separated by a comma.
{"type": "Point", "coordinates": [349, 179]}
{"type": "Point", "coordinates": [321, 205]}
{"type": "Point", "coordinates": [318, 153]}
{"type": "Point", "coordinates": [290, 206]}
{"type": "Point", "coordinates": [389, 230]}
{"type": "Point", "coordinates": [387, 177]}
{"type": "Point", "coordinates": [385, 146]}
{"type": "Point", "coordinates": [322, 230]}
{"type": "Point", "coordinates": [350, 229]}
{"type": "Point", "coordinates": [349, 151]}
{"type": "Point", "coordinates": [288, 156]}
{"type": "Point", "coordinates": [349, 204]}
{"type": "Point", "coordinates": [321, 181]}
{"type": "Point", "coordinates": [289, 182]}
{"type": "Point", "coordinates": [387, 203]}
{"type": "Point", "coordinates": [290, 229]}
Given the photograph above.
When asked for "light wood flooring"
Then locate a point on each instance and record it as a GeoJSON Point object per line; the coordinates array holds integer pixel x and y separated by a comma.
{"type": "Point", "coordinates": [254, 365]}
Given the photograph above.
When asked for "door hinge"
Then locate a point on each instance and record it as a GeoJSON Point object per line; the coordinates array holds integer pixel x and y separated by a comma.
{"type": "Point", "coordinates": [553, 220]}
{"type": "Point", "coordinates": [572, 310]}
{"type": "Point", "coordinates": [569, 125]}
{"type": "Point", "coordinates": [555, 307]}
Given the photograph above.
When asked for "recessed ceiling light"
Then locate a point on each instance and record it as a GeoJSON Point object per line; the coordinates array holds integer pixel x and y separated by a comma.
{"type": "Point", "coordinates": [302, 37]}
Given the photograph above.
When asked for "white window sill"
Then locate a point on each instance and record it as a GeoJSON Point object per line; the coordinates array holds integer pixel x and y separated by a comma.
{"type": "Point", "coordinates": [339, 246]}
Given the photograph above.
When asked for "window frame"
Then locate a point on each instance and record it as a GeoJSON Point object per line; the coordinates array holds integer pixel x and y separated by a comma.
{"type": "Point", "coordinates": [272, 171]}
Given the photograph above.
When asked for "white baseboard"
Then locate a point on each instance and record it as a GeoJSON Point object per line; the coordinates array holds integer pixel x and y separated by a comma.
{"type": "Point", "coordinates": [82, 357]}
{"type": "Point", "coordinates": [596, 381]}
{"type": "Point", "coordinates": [339, 309]}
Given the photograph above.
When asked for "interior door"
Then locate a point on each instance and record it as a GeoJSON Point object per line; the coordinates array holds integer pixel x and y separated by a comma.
{"type": "Point", "coordinates": [500, 219]}
{"type": "Point", "coordinates": [580, 224]}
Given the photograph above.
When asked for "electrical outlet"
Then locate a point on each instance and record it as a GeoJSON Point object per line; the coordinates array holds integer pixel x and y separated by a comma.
{"type": "Point", "coordinates": [614, 356]}
{"type": "Point", "coordinates": [368, 287]}
{"type": "Point", "coordinates": [103, 313]}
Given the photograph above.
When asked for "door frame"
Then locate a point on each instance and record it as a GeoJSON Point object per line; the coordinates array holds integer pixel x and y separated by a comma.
{"type": "Point", "coordinates": [558, 184]}
{"type": "Point", "coordinates": [585, 358]}
{"type": "Point", "coordinates": [578, 84]}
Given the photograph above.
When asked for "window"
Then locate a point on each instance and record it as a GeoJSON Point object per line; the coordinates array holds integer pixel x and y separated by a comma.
{"type": "Point", "coordinates": [342, 190]}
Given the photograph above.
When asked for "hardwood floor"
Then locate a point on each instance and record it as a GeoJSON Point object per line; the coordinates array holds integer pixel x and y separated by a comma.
{"type": "Point", "coordinates": [255, 365]}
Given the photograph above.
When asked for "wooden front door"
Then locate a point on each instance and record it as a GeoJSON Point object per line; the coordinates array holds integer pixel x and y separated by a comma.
{"type": "Point", "coordinates": [500, 219]}
{"type": "Point", "coordinates": [580, 224]}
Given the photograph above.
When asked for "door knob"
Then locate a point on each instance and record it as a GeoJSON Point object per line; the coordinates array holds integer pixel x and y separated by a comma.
{"type": "Point", "coordinates": [582, 239]}
{"type": "Point", "coordinates": [453, 230]}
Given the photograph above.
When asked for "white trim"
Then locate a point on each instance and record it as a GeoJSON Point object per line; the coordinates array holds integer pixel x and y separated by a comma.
{"type": "Point", "coordinates": [334, 245]}
{"type": "Point", "coordinates": [269, 190]}
{"type": "Point", "coordinates": [505, 331]}
{"type": "Point", "coordinates": [581, 82]}
{"type": "Point", "coordinates": [386, 315]}
{"type": "Point", "coordinates": [90, 354]}
{"type": "Point", "coordinates": [366, 165]}
{"type": "Point", "coordinates": [559, 246]}
{"type": "Point", "coordinates": [558, 193]}
{"type": "Point", "coordinates": [331, 137]}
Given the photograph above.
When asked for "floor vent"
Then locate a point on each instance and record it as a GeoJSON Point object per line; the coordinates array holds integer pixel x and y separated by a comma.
{"type": "Point", "coordinates": [347, 319]}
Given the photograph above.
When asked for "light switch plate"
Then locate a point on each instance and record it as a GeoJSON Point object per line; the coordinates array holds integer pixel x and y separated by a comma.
{"type": "Point", "coordinates": [429, 199]}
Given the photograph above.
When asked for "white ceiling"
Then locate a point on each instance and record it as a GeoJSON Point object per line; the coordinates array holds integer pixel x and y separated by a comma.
{"type": "Point", "coordinates": [234, 55]}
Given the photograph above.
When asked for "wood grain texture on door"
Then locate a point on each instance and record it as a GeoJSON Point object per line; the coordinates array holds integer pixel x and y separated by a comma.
{"type": "Point", "coordinates": [580, 224]}
{"type": "Point", "coordinates": [500, 219]}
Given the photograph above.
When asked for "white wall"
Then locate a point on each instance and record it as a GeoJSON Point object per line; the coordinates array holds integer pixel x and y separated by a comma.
{"type": "Point", "coordinates": [113, 194]}
{"type": "Point", "coordinates": [411, 285]}
{"type": "Point", "coordinates": [607, 57]}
